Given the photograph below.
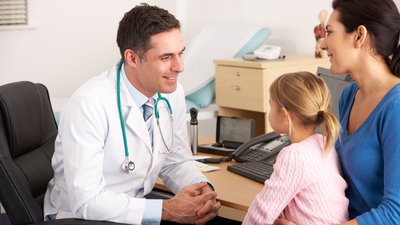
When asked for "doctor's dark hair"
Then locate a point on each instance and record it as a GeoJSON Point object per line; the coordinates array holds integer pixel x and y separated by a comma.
{"type": "Point", "coordinates": [139, 24]}
{"type": "Point", "coordinates": [382, 20]}
{"type": "Point", "coordinates": [307, 97]}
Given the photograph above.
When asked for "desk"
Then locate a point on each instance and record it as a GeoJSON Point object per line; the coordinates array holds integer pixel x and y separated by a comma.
{"type": "Point", "coordinates": [235, 192]}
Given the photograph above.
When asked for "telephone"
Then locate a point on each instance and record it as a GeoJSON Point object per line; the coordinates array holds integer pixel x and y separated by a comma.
{"type": "Point", "coordinates": [254, 155]}
{"type": "Point", "coordinates": [261, 147]}
{"type": "Point", "coordinates": [268, 52]}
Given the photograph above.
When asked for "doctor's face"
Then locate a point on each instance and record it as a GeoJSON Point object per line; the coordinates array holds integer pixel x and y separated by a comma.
{"type": "Point", "coordinates": [159, 69]}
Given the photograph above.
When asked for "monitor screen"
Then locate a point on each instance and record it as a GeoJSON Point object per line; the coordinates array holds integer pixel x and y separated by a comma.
{"type": "Point", "coordinates": [234, 129]}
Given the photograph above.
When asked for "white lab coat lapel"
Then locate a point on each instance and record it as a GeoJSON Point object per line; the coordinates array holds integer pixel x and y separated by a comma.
{"type": "Point", "coordinates": [157, 141]}
{"type": "Point", "coordinates": [135, 122]}
{"type": "Point", "coordinates": [133, 117]}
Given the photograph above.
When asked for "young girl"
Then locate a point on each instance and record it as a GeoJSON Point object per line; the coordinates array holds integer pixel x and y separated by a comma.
{"type": "Point", "coordinates": [306, 186]}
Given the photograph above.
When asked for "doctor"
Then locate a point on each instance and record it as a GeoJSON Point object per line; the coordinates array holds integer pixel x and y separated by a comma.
{"type": "Point", "coordinates": [107, 158]}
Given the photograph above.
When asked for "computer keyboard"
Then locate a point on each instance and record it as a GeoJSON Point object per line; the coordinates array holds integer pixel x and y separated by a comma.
{"type": "Point", "coordinates": [255, 170]}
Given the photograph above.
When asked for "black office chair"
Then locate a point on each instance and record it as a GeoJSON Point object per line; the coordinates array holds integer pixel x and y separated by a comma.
{"type": "Point", "coordinates": [27, 134]}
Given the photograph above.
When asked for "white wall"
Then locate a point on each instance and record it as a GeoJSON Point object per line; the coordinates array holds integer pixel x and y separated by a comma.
{"type": "Point", "coordinates": [291, 21]}
{"type": "Point", "coordinates": [71, 41]}
{"type": "Point", "coordinates": [74, 40]}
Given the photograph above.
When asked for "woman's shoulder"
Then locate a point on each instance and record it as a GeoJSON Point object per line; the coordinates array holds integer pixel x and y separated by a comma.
{"type": "Point", "coordinates": [394, 93]}
{"type": "Point", "coordinates": [390, 104]}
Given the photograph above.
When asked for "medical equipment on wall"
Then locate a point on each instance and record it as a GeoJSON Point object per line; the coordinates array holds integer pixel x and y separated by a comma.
{"type": "Point", "coordinates": [128, 165]}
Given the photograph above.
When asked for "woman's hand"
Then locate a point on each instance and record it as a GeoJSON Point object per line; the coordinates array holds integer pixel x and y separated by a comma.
{"type": "Point", "coordinates": [283, 222]}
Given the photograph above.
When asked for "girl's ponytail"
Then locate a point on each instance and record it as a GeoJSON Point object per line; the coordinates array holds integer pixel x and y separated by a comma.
{"type": "Point", "coordinates": [331, 128]}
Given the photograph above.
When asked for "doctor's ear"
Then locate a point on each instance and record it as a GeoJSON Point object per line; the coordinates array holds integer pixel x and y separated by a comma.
{"type": "Point", "coordinates": [131, 58]}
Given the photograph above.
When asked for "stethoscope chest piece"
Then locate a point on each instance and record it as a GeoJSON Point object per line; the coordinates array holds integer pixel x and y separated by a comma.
{"type": "Point", "coordinates": [127, 165]}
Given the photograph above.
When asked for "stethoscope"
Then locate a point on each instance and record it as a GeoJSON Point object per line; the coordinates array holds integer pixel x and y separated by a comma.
{"type": "Point", "coordinates": [128, 165]}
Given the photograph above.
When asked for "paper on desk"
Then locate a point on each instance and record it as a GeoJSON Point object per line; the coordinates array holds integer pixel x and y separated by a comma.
{"type": "Point", "coordinates": [203, 167]}
{"type": "Point", "coordinates": [195, 157]}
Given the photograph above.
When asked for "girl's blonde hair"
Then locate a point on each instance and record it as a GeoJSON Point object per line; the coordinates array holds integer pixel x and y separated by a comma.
{"type": "Point", "coordinates": [307, 96]}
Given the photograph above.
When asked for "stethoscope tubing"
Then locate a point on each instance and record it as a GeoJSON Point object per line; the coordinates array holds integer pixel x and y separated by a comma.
{"type": "Point", "coordinates": [121, 117]}
{"type": "Point", "coordinates": [128, 165]}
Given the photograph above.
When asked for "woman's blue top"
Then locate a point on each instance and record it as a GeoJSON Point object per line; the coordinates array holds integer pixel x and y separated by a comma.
{"type": "Point", "coordinates": [370, 159]}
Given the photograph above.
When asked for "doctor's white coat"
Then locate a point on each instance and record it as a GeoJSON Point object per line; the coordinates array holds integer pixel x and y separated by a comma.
{"type": "Point", "coordinates": [88, 180]}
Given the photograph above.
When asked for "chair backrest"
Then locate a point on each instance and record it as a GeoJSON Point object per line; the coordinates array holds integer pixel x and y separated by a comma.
{"type": "Point", "coordinates": [336, 83]}
{"type": "Point", "coordinates": [27, 134]}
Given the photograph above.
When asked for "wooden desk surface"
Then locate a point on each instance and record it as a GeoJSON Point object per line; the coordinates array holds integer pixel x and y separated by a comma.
{"type": "Point", "coordinates": [233, 191]}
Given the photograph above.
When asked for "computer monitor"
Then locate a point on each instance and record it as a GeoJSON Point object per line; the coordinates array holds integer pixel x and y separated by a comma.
{"type": "Point", "coordinates": [231, 133]}
{"type": "Point", "coordinates": [336, 83]}
{"type": "Point", "coordinates": [234, 130]}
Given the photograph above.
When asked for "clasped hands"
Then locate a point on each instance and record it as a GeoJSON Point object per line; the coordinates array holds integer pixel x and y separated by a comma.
{"type": "Point", "coordinates": [194, 204]}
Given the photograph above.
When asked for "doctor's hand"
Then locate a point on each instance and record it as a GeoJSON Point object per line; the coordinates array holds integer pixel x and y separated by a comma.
{"type": "Point", "coordinates": [210, 208]}
{"type": "Point", "coordinates": [185, 205]}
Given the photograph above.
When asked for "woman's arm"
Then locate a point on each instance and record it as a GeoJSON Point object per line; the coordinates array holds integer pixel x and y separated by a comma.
{"type": "Point", "coordinates": [286, 222]}
{"type": "Point", "coordinates": [351, 222]}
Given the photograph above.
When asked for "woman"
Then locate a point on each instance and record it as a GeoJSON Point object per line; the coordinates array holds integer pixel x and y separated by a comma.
{"type": "Point", "coordinates": [363, 40]}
